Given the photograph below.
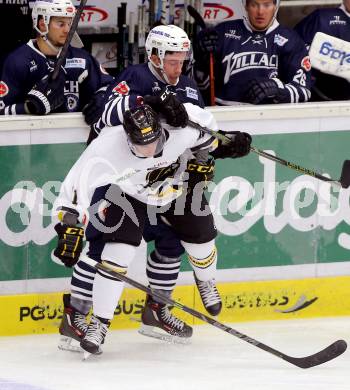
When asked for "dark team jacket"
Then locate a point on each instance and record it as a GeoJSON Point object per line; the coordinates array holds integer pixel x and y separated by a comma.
{"type": "Point", "coordinates": [25, 66]}
{"type": "Point", "coordinates": [334, 22]}
{"type": "Point", "coordinates": [243, 55]}
{"type": "Point", "coordinates": [15, 27]}
{"type": "Point", "coordinates": [137, 81]}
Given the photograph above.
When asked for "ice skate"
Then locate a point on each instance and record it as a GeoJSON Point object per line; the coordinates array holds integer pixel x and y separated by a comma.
{"type": "Point", "coordinates": [72, 328]}
{"type": "Point", "coordinates": [94, 337]}
{"type": "Point", "coordinates": [160, 323]}
{"type": "Point", "coordinates": [209, 295]}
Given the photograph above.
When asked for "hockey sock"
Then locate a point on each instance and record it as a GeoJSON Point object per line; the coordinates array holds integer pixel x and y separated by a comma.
{"type": "Point", "coordinates": [81, 286]}
{"type": "Point", "coordinates": [203, 259]}
{"type": "Point", "coordinates": [106, 289]}
{"type": "Point", "coordinates": [162, 271]}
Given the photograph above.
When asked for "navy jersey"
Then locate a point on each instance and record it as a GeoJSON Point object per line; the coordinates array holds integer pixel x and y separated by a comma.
{"type": "Point", "coordinates": [25, 66]}
{"type": "Point", "coordinates": [243, 55]}
{"type": "Point", "coordinates": [334, 22]}
{"type": "Point", "coordinates": [140, 80]}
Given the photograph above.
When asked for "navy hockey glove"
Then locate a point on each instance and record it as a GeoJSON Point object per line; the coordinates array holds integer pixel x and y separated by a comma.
{"type": "Point", "coordinates": [239, 145]}
{"type": "Point", "coordinates": [200, 172]}
{"type": "Point", "coordinates": [94, 109]}
{"type": "Point", "coordinates": [70, 243]}
{"type": "Point", "coordinates": [46, 96]}
{"type": "Point", "coordinates": [267, 91]}
{"type": "Point", "coordinates": [207, 40]}
{"type": "Point", "coordinates": [169, 106]}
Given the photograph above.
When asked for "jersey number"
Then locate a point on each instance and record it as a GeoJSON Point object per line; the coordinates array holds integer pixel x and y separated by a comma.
{"type": "Point", "coordinates": [300, 77]}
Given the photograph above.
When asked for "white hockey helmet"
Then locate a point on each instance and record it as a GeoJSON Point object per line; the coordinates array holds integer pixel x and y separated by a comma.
{"type": "Point", "coordinates": [48, 8]}
{"type": "Point", "coordinates": [245, 14]}
{"type": "Point", "coordinates": [167, 38]}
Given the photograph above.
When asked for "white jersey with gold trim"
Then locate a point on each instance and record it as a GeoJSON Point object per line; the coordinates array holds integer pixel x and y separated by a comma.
{"type": "Point", "coordinates": [109, 160]}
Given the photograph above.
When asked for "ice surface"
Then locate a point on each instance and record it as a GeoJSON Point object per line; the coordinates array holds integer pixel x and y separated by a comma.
{"type": "Point", "coordinates": [214, 360]}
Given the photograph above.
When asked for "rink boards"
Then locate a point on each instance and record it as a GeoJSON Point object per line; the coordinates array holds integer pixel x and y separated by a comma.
{"type": "Point", "coordinates": [242, 301]}
{"type": "Point", "coordinates": [284, 237]}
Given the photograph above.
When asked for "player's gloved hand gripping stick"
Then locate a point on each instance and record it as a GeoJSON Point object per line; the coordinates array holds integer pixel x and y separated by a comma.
{"type": "Point", "coordinates": [343, 182]}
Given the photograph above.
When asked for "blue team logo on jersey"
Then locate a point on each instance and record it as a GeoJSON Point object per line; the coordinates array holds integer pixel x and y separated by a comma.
{"type": "Point", "coordinates": [191, 93]}
{"type": "Point", "coordinates": [71, 102]}
{"type": "Point", "coordinates": [279, 40]}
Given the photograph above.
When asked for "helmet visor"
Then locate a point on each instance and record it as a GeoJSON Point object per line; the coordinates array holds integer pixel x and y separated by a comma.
{"type": "Point", "coordinates": [150, 149]}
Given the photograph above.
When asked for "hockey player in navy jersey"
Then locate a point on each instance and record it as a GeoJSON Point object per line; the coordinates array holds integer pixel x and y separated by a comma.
{"type": "Point", "coordinates": [129, 158]}
{"type": "Point", "coordinates": [334, 22]}
{"type": "Point", "coordinates": [167, 49]}
{"type": "Point", "coordinates": [256, 59]}
{"type": "Point", "coordinates": [26, 87]}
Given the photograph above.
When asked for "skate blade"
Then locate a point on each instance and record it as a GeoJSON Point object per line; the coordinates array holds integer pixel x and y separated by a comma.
{"type": "Point", "coordinates": [69, 344]}
{"type": "Point", "coordinates": [86, 355]}
{"type": "Point", "coordinates": [149, 331]}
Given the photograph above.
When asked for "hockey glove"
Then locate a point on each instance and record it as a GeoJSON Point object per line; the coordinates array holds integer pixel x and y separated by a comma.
{"type": "Point", "coordinates": [46, 96]}
{"type": "Point", "coordinates": [94, 109]}
{"type": "Point", "coordinates": [239, 145]}
{"type": "Point", "coordinates": [200, 172]}
{"type": "Point", "coordinates": [267, 91]}
{"type": "Point", "coordinates": [169, 106]}
{"type": "Point", "coordinates": [207, 40]}
{"type": "Point", "coordinates": [70, 239]}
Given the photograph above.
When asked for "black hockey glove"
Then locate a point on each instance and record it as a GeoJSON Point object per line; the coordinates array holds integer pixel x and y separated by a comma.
{"type": "Point", "coordinates": [239, 146]}
{"type": "Point", "coordinates": [207, 40]}
{"type": "Point", "coordinates": [267, 91]}
{"type": "Point", "coordinates": [200, 172]}
{"type": "Point", "coordinates": [94, 109]}
{"type": "Point", "coordinates": [169, 106]}
{"type": "Point", "coordinates": [47, 95]}
{"type": "Point", "coordinates": [70, 238]}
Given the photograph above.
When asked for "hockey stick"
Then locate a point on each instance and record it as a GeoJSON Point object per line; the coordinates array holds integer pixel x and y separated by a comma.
{"type": "Point", "coordinates": [131, 38]}
{"type": "Point", "coordinates": [200, 21]}
{"type": "Point", "coordinates": [63, 54]}
{"type": "Point", "coordinates": [323, 356]}
{"type": "Point", "coordinates": [343, 182]}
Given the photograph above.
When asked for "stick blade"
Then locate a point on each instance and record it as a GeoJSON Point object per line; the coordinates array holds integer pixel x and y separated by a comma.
{"type": "Point", "coordinates": [196, 16]}
{"type": "Point", "coordinates": [345, 175]}
{"type": "Point", "coordinates": [329, 353]}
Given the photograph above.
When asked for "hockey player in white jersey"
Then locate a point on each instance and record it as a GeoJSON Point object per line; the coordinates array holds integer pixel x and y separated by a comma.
{"type": "Point", "coordinates": [131, 164]}
{"type": "Point", "coordinates": [164, 88]}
